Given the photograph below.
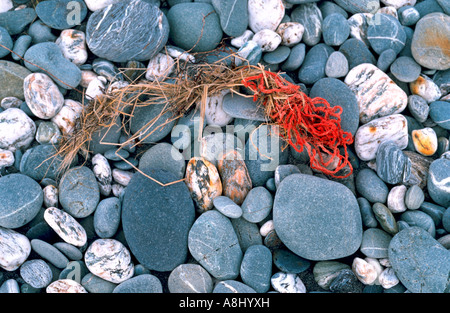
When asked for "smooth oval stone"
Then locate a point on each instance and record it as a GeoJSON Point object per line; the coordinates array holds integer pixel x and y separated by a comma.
{"type": "Point", "coordinates": [41, 162]}
{"type": "Point", "coordinates": [335, 29]}
{"type": "Point", "coordinates": [79, 192]}
{"type": "Point", "coordinates": [66, 226]}
{"type": "Point", "coordinates": [156, 220]}
{"type": "Point", "coordinates": [425, 141]}
{"type": "Point", "coordinates": [385, 32]}
{"type": "Point", "coordinates": [17, 130]}
{"type": "Point", "coordinates": [232, 286]}
{"type": "Point", "coordinates": [95, 284]}
{"type": "Point", "coordinates": [419, 261]}
{"type": "Point", "coordinates": [247, 233]}
{"type": "Point", "coordinates": [14, 249]}
{"type": "Point", "coordinates": [385, 218]}
{"type": "Point", "coordinates": [386, 59]}
{"type": "Point", "coordinates": [408, 15]}
{"type": "Point", "coordinates": [310, 16]}
{"type": "Point", "coordinates": [70, 251]}
{"type": "Point", "coordinates": [190, 278]}
{"type": "Point", "coordinates": [37, 273]}
{"type": "Point", "coordinates": [392, 164]}
{"type": "Point", "coordinates": [145, 283]}
{"type": "Point", "coordinates": [291, 34]}
{"type": "Point", "coordinates": [295, 59]}
{"type": "Point", "coordinates": [438, 182]}
{"type": "Point", "coordinates": [440, 114]}
{"type": "Point", "coordinates": [376, 93]}
{"type": "Point", "coordinates": [389, 128]}
{"type": "Point", "coordinates": [48, 58]}
{"type": "Point", "coordinates": [317, 236]}
{"type": "Point", "coordinates": [48, 133]}
{"type": "Point", "coordinates": [110, 260]}
{"type": "Point", "coordinates": [418, 107]}
{"type": "Point", "coordinates": [194, 26]}
{"type": "Point", "coordinates": [266, 14]}
{"type": "Point", "coordinates": [214, 244]}
{"type": "Point", "coordinates": [227, 207]}
{"type": "Point", "coordinates": [277, 56]}
{"type": "Point", "coordinates": [339, 94]}
{"type": "Point", "coordinates": [430, 41]}
{"type": "Point", "coordinates": [367, 215]}
{"type": "Point", "coordinates": [65, 286]}
{"type": "Point", "coordinates": [203, 182]}
{"type": "Point", "coordinates": [313, 67]}
{"type": "Point", "coordinates": [73, 45]}
{"type": "Point", "coordinates": [163, 156]}
{"type": "Point", "coordinates": [337, 65]}
{"type": "Point", "coordinates": [425, 87]}
{"type": "Point", "coordinates": [405, 69]}
{"type": "Point", "coordinates": [215, 115]}
{"type": "Point", "coordinates": [419, 219]}
{"type": "Point", "coordinates": [61, 14]}
{"type": "Point", "coordinates": [375, 243]}
{"type": "Point", "coordinates": [20, 200]}
{"type": "Point", "coordinates": [356, 52]}
{"type": "Point", "coordinates": [370, 186]}
{"type": "Point", "coordinates": [396, 199]}
{"type": "Point", "coordinates": [107, 217]}
{"type": "Point", "coordinates": [256, 268]}
{"type": "Point", "coordinates": [414, 197]}
{"type": "Point", "coordinates": [124, 43]}
{"type": "Point", "coordinates": [257, 205]}
{"type": "Point", "coordinates": [236, 181]}
{"type": "Point", "coordinates": [267, 39]}
{"type": "Point", "coordinates": [5, 40]}
{"type": "Point", "coordinates": [49, 253]}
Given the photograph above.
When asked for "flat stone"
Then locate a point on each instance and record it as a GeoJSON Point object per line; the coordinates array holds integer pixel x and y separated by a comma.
{"type": "Point", "coordinates": [47, 57]}
{"type": "Point", "coordinates": [418, 107]}
{"type": "Point", "coordinates": [376, 93]}
{"type": "Point", "coordinates": [189, 29]}
{"type": "Point", "coordinates": [317, 236]}
{"type": "Point", "coordinates": [396, 199]}
{"type": "Point", "coordinates": [156, 220]}
{"type": "Point", "coordinates": [145, 283]}
{"type": "Point", "coordinates": [419, 261]}
{"type": "Point", "coordinates": [370, 186]}
{"type": "Point", "coordinates": [335, 29]}
{"type": "Point", "coordinates": [110, 260]}
{"type": "Point", "coordinates": [256, 268]}
{"type": "Point", "coordinates": [49, 253]}
{"type": "Point", "coordinates": [214, 244]}
{"type": "Point", "coordinates": [356, 52]}
{"type": "Point", "coordinates": [14, 249]}
{"type": "Point", "coordinates": [94, 284]}
{"type": "Point", "coordinates": [79, 192]}
{"type": "Point", "coordinates": [375, 243]}
{"type": "Point", "coordinates": [58, 14]}
{"type": "Point", "coordinates": [405, 69]}
{"type": "Point", "coordinates": [124, 43]}
{"type": "Point", "coordinates": [190, 278]}
{"type": "Point", "coordinates": [12, 76]}
{"type": "Point", "coordinates": [257, 205]}
{"type": "Point", "coordinates": [431, 41]}
{"type": "Point", "coordinates": [419, 219]}
{"type": "Point", "coordinates": [414, 197]}
{"type": "Point", "coordinates": [295, 59]}
{"type": "Point", "coordinates": [20, 200]}
{"type": "Point", "coordinates": [37, 273]}
{"type": "Point", "coordinates": [389, 128]}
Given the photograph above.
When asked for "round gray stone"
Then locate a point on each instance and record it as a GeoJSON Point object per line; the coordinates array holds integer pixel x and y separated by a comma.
{"type": "Point", "coordinates": [375, 243]}
{"type": "Point", "coordinates": [370, 186]}
{"type": "Point", "coordinates": [414, 197]}
{"type": "Point", "coordinates": [37, 273]}
{"type": "Point", "coordinates": [190, 278]}
{"type": "Point", "coordinates": [313, 217]}
{"type": "Point", "coordinates": [256, 268]}
{"type": "Point", "coordinates": [21, 199]}
{"type": "Point", "coordinates": [405, 69]}
{"type": "Point", "coordinates": [145, 283]}
{"type": "Point", "coordinates": [79, 193]}
{"type": "Point", "coordinates": [438, 184]}
{"type": "Point", "coordinates": [257, 205]}
{"type": "Point", "coordinates": [166, 157]}
{"type": "Point", "coordinates": [107, 217]}
{"type": "Point", "coordinates": [227, 207]}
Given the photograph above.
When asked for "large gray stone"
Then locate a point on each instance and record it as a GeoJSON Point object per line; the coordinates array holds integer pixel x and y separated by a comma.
{"type": "Point", "coordinates": [317, 219]}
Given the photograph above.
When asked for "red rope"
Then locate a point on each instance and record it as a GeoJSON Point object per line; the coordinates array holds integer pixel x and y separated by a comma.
{"type": "Point", "coordinates": [310, 123]}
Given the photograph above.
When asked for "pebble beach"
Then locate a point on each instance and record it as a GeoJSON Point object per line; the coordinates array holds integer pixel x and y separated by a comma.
{"type": "Point", "coordinates": [215, 201]}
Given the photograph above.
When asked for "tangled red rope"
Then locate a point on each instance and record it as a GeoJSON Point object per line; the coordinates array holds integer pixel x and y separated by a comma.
{"type": "Point", "coordinates": [310, 123]}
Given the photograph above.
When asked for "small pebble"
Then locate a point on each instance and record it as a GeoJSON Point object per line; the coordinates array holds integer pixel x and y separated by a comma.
{"type": "Point", "coordinates": [396, 199]}
{"type": "Point", "coordinates": [65, 286]}
{"type": "Point", "coordinates": [365, 272]}
{"type": "Point", "coordinates": [425, 141]}
{"type": "Point", "coordinates": [287, 283]}
{"type": "Point", "coordinates": [37, 273]}
{"type": "Point", "coordinates": [388, 279]}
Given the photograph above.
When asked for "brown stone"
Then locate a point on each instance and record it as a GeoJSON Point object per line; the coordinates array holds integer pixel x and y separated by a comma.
{"type": "Point", "coordinates": [236, 180]}
{"type": "Point", "coordinates": [203, 182]}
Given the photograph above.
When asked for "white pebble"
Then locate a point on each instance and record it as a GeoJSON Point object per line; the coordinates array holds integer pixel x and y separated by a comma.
{"type": "Point", "coordinates": [96, 87]}
{"type": "Point", "coordinates": [5, 5]}
{"type": "Point", "coordinates": [267, 39]}
{"type": "Point", "coordinates": [65, 226]}
{"type": "Point", "coordinates": [103, 173]}
{"type": "Point", "coordinates": [86, 77]}
{"type": "Point", "coordinates": [17, 130]}
{"type": "Point", "coordinates": [426, 88]}
{"type": "Point", "coordinates": [109, 259]}
{"type": "Point", "coordinates": [177, 53]}
{"type": "Point", "coordinates": [10, 102]}
{"type": "Point", "coordinates": [95, 5]}
{"type": "Point", "coordinates": [385, 262]}
{"type": "Point", "coordinates": [65, 286]}
{"type": "Point", "coordinates": [159, 67]}
{"type": "Point", "coordinates": [118, 190]}
{"type": "Point", "coordinates": [291, 33]}
{"type": "Point", "coordinates": [73, 46]}
{"type": "Point", "coordinates": [287, 283]}
{"type": "Point", "coordinates": [378, 267]}
{"type": "Point", "coordinates": [67, 116]}
{"type": "Point", "coordinates": [122, 177]}
{"type": "Point", "coordinates": [266, 228]}
{"type": "Point", "coordinates": [396, 199]}
{"type": "Point", "coordinates": [397, 4]}
{"type": "Point", "coordinates": [214, 113]}
{"type": "Point", "coordinates": [50, 196]}
{"type": "Point", "coordinates": [14, 249]}
{"type": "Point", "coordinates": [6, 158]}
{"type": "Point", "coordinates": [364, 271]}
{"type": "Point", "coordinates": [388, 278]}
{"type": "Point", "coordinates": [238, 42]}
{"type": "Point", "coordinates": [265, 14]}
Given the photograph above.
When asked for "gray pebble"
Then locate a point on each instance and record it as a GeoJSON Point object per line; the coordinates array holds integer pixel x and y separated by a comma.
{"type": "Point", "coordinates": [414, 197]}
{"type": "Point", "coordinates": [190, 278]}
{"type": "Point", "coordinates": [49, 253]}
{"type": "Point", "coordinates": [107, 217]}
{"type": "Point", "coordinates": [37, 273]}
